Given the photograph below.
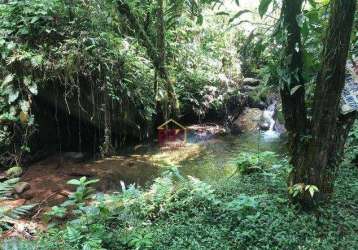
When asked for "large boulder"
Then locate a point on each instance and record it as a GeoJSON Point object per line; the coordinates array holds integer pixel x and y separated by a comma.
{"type": "Point", "coordinates": [21, 187]}
{"type": "Point", "coordinates": [249, 120]}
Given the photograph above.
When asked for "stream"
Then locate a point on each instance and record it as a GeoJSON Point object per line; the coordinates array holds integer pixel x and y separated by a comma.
{"type": "Point", "coordinates": [216, 159]}
{"type": "Point", "coordinates": [209, 158]}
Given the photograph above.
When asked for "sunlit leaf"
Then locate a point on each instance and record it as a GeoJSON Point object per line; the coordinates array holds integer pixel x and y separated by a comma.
{"type": "Point", "coordinates": [74, 182]}
{"type": "Point", "coordinates": [25, 106]}
{"type": "Point", "coordinates": [294, 89]}
{"type": "Point", "coordinates": [13, 95]}
{"type": "Point", "coordinates": [9, 78]}
{"type": "Point", "coordinates": [33, 89]}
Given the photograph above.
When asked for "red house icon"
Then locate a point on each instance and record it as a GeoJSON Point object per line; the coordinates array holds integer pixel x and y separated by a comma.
{"type": "Point", "coordinates": [171, 132]}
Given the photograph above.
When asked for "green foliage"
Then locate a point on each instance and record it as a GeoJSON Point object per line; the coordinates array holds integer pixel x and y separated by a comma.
{"type": "Point", "coordinates": [254, 162]}
{"type": "Point", "coordinates": [13, 172]}
{"type": "Point", "coordinates": [78, 54]}
{"type": "Point", "coordinates": [244, 205]}
{"type": "Point", "coordinates": [15, 243]}
{"type": "Point", "coordinates": [299, 189]}
{"type": "Point", "coordinates": [50, 46]}
{"type": "Point", "coordinates": [141, 241]}
{"type": "Point", "coordinates": [83, 192]}
{"type": "Point", "coordinates": [351, 153]}
{"type": "Point", "coordinates": [76, 200]}
{"type": "Point", "coordinates": [6, 187]}
{"type": "Point", "coordinates": [245, 212]}
{"type": "Point", "coordinates": [205, 64]}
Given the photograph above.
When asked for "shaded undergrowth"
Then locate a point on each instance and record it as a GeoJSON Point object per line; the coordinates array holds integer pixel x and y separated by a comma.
{"type": "Point", "coordinates": [243, 212]}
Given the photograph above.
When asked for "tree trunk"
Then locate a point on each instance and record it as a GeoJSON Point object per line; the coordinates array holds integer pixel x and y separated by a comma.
{"type": "Point", "coordinates": [107, 148]}
{"type": "Point", "coordinates": [161, 62]}
{"type": "Point", "coordinates": [293, 90]}
{"type": "Point", "coordinates": [156, 50]}
{"type": "Point", "coordinates": [318, 146]}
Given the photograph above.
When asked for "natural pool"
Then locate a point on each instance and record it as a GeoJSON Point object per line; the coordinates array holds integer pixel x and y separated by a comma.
{"type": "Point", "coordinates": [214, 158]}
{"type": "Point", "coordinates": [209, 160]}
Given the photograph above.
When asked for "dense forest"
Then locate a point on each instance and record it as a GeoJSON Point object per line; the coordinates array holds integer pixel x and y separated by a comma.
{"type": "Point", "coordinates": [178, 124]}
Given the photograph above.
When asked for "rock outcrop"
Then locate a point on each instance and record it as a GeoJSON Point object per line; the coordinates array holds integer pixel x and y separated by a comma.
{"type": "Point", "coordinates": [249, 120]}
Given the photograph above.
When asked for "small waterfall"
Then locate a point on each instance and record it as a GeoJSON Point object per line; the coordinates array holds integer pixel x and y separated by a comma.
{"type": "Point", "coordinates": [269, 122]}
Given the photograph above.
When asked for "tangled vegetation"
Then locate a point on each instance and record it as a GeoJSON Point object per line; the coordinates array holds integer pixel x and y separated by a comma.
{"type": "Point", "coordinates": [92, 78]}
{"type": "Point", "coordinates": [84, 63]}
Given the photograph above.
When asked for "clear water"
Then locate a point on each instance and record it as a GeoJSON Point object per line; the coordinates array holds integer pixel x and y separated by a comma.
{"type": "Point", "coordinates": [216, 160]}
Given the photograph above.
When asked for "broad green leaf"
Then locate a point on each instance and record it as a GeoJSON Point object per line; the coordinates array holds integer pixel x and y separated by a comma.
{"type": "Point", "coordinates": [300, 20]}
{"type": "Point", "coordinates": [74, 182]}
{"type": "Point", "coordinates": [10, 45]}
{"type": "Point", "coordinates": [263, 7]}
{"type": "Point", "coordinates": [34, 19]}
{"type": "Point", "coordinates": [92, 181]}
{"type": "Point", "coordinates": [311, 192]}
{"type": "Point", "coordinates": [24, 31]}
{"type": "Point", "coordinates": [31, 85]}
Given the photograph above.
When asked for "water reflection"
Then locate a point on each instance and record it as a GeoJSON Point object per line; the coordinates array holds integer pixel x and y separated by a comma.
{"type": "Point", "coordinates": [216, 160]}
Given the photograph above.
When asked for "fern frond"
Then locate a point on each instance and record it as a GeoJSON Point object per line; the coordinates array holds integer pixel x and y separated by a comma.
{"type": "Point", "coordinates": [18, 212]}
{"type": "Point", "coordinates": [6, 187]}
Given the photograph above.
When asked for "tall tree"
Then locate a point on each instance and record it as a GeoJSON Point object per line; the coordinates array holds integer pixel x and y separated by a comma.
{"type": "Point", "coordinates": [153, 39]}
{"type": "Point", "coordinates": [155, 46]}
{"type": "Point", "coordinates": [316, 144]}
